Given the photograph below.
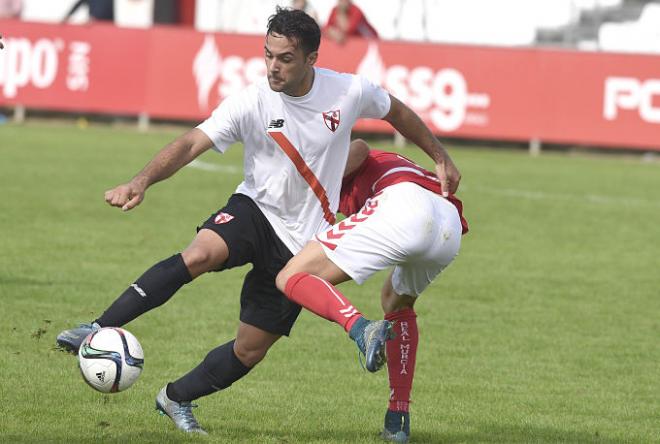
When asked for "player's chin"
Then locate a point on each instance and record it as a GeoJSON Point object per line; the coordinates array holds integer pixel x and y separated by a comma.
{"type": "Point", "coordinates": [276, 85]}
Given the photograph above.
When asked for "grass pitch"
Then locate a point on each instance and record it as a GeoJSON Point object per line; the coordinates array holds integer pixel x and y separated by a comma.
{"type": "Point", "coordinates": [544, 330]}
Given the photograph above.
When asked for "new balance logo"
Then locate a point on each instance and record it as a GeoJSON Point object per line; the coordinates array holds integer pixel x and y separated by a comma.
{"type": "Point", "coordinates": [139, 290]}
{"type": "Point", "coordinates": [279, 123]}
{"type": "Point", "coordinates": [101, 376]}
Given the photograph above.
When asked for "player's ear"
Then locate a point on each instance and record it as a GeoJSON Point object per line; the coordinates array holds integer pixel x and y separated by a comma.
{"type": "Point", "coordinates": [312, 57]}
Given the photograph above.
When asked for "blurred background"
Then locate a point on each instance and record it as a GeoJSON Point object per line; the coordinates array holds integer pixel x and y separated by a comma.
{"type": "Point", "coordinates": [540, 72]}
{"type": "Point", "coordinates": [618, 25]}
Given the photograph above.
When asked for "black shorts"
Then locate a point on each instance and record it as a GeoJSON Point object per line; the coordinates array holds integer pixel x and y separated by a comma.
{"type": "Point", "coordinates": [251, 239]}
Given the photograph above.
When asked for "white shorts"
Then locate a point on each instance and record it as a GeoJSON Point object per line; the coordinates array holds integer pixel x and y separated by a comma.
{"type": "Point", "coordinates": [405, 225]}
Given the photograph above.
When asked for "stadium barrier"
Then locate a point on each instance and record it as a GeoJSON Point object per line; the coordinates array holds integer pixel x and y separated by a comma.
{"type": "Point", "coordinates": [556, 96]}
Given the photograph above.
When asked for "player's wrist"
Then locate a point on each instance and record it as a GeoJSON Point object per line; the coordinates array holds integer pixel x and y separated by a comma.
{"type": "Point", "coordinates": [140, 183]}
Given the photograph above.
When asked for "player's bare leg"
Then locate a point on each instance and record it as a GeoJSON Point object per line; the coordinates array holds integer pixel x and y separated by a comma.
{"type": "Point", "coordinates": [252, 344]}
{"type": "Point", "coordinates": [401, 354]}
{"type": "Point", "coordinates": [157, 285]}
{"type": "Point", "coordinates": [207, 252]}
{"type": "Point", "coordinates": [308, 279]}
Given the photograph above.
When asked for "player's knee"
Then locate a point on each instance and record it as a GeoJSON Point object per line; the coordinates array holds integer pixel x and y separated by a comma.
{"type": "Point", "coordinates": [392, 302]}
{"type": "Point", "coordinates": [282, 278]}
{"type": "Point", "coordinates": [200, 260]}
{"type": "Point", "coordinates": [287, 278]}
{"type": "Point", "coordinates": [250, 356]}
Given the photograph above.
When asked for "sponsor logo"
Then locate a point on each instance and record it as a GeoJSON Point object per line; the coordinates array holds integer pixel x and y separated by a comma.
{"type": "Point", "coordinates": [139, 290]}
{"type": "Point", "coordinates": [101, 377]}
{"type": "Point", "coordinates": [279, 123]}
{"type": "Point", "coordinates": [331, 119]}
{"type": "Point", "coordinates": [629, 93]}
{"type": "Point", "coordinates": [222, 218]}
{"type": "Point", "coordinates": [404, 348]}
{"type": "Point", "coordinates": [24, 63]}
{"type": "Point", "coordinates": [439, 96]}
{"type": "Point", "coordinates": [218, 76]}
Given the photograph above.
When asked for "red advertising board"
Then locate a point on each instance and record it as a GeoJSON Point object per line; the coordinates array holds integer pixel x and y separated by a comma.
{"type": "Point", "coordinates": [460, 91]}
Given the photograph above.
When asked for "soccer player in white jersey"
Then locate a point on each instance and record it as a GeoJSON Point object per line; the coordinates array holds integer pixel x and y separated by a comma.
{"type": "Point", "coordinates": [295, 127]}
{"type": "Point", "coordinates": [396, 216]}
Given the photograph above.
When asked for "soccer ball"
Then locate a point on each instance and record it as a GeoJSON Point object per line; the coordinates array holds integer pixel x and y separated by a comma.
{"type": "Point", "coordinates": [111, 359]}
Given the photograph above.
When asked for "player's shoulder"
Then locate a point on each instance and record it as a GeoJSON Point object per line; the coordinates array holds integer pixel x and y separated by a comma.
{"type": "Point", "coordinates": [329, 75]}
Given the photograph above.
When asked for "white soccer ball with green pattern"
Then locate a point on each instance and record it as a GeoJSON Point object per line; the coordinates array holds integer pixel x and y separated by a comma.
{"type": "Point", "coordinates": [111, 359]}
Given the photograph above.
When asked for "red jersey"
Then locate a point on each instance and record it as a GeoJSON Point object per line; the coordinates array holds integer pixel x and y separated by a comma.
{"type": "Point", "coordinates": [382, 169]}
{"type": "Point", "coordinates": [357, 23]}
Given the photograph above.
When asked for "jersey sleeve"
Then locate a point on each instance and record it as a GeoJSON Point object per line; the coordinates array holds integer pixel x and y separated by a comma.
{"type": "Point", "coordinates": [375, 101]}
{"type": "Point", "coordinates": [224, 125]}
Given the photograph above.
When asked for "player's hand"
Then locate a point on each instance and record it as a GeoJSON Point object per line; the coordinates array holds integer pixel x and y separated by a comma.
{"type": "Point", "coordinates": [126, 196]}
{"type": "Point", "coordinates": [448, 175]}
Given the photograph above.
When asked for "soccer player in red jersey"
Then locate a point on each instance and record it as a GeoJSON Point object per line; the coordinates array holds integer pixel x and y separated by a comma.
{"type": "Point", "coordinates": [347, 20]}
{"type": "Point", "coordinates": [397, 216]}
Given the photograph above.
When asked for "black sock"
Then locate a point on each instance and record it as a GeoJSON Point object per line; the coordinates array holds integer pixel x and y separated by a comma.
{"type": "Point", "coordinates": [152, 289]}
{"type": "Point", "coordinates": [220, 369]}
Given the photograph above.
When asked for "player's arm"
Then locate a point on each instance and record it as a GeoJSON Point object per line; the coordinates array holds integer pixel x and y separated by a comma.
{"type": "Point", "coordinates": [174, 156]}
{"type": "Point", "coordinates": [409, 124]}
{"type": "Point", "coordinates": [358, 152]}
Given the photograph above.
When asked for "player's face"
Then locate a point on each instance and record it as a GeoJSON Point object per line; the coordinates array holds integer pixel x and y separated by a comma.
{"type": "Point", "coordinates": [289, 70]}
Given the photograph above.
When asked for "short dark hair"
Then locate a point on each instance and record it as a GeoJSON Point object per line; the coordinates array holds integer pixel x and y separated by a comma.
{"type": "Point", "coordinates": [296, 24]}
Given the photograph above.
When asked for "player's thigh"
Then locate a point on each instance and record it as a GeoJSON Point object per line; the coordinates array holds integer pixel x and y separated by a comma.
{"type": "Point", "coordinates": [247, 235]}
{"type": "Point", "coordinates": [207, 251]}
{"type": "Point", "coordinates": [313, 260]}
{"type": "Point", "coordinates": [264, 306]}
{"type": "Point", "coordinates": [392, 301]}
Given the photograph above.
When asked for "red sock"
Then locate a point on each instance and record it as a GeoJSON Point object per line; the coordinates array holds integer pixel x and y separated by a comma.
{"type": "Point", "coordinates": [401, 354]}
{"type": "Point", "coordinates": [320, 297]}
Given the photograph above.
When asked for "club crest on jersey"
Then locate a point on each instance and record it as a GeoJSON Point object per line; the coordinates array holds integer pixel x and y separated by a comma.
{"type": "Point", "coordinates": [331, 119]}
{"type": "Point", "coordinates": [222, 218]}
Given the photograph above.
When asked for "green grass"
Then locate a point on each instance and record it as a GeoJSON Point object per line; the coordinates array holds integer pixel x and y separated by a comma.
{"type": "Point", "coordinates": [544, 330]}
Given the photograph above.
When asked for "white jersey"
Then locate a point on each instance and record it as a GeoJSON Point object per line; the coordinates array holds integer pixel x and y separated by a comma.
{"type": "Point", "coordinates": [296, 147]}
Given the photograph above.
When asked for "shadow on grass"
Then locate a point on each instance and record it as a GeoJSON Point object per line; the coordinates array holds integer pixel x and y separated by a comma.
{"type": "Point", "coordinates": [487, 433]}
{"type": "Point", "coordinates": [509, 434]}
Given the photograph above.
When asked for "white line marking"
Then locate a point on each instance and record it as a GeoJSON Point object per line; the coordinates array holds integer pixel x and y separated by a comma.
{"type": "Point", "coordinates": [584, 198]}
{"type": "Point", "coordinates": [206, 166]}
